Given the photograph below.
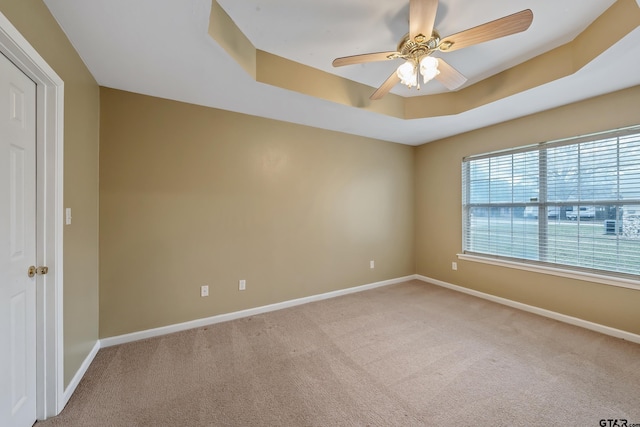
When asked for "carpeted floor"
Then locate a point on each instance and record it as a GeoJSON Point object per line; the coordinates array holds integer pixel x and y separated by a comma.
{"type": "Point", "coordinates": [411, 354]}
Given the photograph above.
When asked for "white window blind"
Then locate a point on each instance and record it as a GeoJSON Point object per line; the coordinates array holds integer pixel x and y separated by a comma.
{"type": "Point", "coordinates": [572, 203]}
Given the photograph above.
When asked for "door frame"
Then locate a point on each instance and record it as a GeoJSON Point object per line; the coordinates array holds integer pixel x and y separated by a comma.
{"type": "Point", "coordinates": [49, 216]}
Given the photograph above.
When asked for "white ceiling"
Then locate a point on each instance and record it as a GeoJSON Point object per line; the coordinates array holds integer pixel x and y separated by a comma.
{"type": "Point", "coordinates": [162, 48]}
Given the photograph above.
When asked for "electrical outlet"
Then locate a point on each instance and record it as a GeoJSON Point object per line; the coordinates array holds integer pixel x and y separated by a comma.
{"type": "Point", "coordinates": [242, 285]}
{"type": "Point", "coordinates": [204, 291]}
{"type": "Point", "coordinates": [372, 264]}
{"type": "Point", "coordinates": [454, 265]}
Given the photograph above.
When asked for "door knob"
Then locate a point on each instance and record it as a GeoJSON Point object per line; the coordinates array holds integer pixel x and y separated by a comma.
{"type": "Point", "coordinates": [33, 270]}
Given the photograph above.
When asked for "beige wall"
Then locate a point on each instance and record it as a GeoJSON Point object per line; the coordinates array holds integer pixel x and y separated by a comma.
{"type": "Point", "coordinates": [193, 196]}
{"type": "Point", "coordinates": [81, 146]}
{"type": "Point", "coordinates": [439, 213]}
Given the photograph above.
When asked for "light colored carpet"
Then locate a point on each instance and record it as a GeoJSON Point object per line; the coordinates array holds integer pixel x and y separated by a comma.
{"type": "Point", "coordinates": [411, 354]}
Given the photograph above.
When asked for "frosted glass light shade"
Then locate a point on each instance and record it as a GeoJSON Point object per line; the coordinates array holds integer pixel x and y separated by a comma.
{"type": "Point", "coordinates": [407, 73]}
{"type": "Point", "coordinates": [429, 68]}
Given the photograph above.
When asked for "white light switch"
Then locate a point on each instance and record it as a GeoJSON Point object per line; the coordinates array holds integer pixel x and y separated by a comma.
{"type": "Point", "coordinates": [67, 216]}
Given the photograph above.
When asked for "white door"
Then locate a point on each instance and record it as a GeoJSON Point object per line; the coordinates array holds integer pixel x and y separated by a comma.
{"type": "Point", "coordinates": [17, 247]}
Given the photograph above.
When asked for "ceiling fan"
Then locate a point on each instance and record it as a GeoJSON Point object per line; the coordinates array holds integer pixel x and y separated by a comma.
{"type": "Point", "coordinates": [422, 40]}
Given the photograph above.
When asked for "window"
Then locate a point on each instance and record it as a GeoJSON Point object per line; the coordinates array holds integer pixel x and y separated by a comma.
{"type": "Point", "coordinates": [571, 203]}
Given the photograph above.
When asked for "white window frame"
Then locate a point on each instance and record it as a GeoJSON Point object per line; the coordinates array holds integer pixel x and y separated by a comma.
{"type": "Point", "coordinates": [604, 277]}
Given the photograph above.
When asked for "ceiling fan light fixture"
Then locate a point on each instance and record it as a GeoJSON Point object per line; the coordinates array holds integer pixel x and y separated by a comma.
{"type": "Point", "coordinates": [429, 68]}
{"type": "Point", "coordinates": [408, 73]}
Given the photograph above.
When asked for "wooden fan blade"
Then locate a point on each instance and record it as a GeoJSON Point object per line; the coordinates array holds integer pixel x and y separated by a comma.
{"type": "Point", "coordinates": [385, 87]}
{"type": "Point", "coordinates": [422, 15]}
{"type": "Point", "coordinates": [449, 76]}
{"type": "Point", "coordinates": [366, 57]}
{"type": "Point", "coordinates": [505, 26]}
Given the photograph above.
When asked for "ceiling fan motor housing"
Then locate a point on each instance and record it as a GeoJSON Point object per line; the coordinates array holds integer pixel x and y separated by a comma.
{"type": "Point", "coordinates": [419, 46]}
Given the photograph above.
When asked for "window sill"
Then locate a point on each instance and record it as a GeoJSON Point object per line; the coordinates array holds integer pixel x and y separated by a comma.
{"type": "Point", "coordinates": [572, 274]}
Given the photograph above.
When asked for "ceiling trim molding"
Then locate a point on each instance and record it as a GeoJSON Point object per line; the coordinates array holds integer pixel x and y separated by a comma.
{"type": "Point", "coordinates": [608, 29]}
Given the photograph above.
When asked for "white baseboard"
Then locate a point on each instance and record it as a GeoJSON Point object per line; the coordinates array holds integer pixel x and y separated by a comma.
{"type": "Point", "coordinates": [78, 376]}
{"type": "Point", "coordinates": [537, 310]}
{"type": "Point", "coordinates": [149, 333]}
